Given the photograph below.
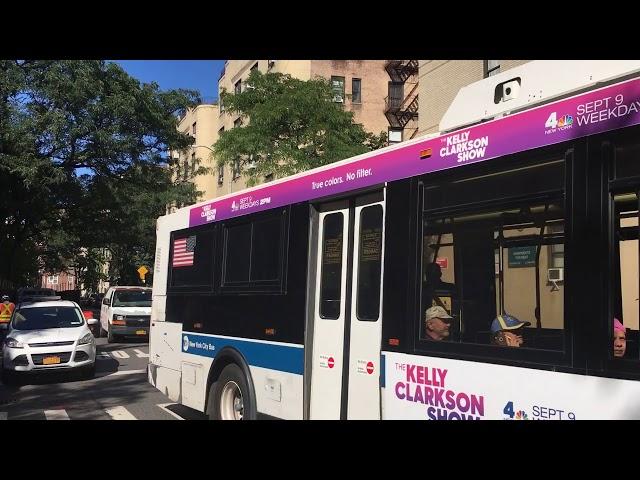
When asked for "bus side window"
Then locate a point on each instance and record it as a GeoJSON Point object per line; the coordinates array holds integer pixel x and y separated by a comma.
{"type": "Point", "coordinates": [509, 263]}
{"type": "Point", "coordinates": [625, 304]}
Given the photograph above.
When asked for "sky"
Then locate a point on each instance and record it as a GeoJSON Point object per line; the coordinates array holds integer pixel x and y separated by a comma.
{"type": "Point", "coordinates": [201, 75]}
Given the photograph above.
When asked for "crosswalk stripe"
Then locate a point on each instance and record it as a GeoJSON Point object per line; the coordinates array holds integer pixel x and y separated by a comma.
{"type": "Point", "coordinates": [140, 353]}
{"type": "Point", "coordinates": [164, 406]}
{"type": "Point", "coordinates": [120, 354]}
{"type": "Point", "coordinates": [3, 415]}
{"type": "Point", "coordinates": [120, 413]}
{"type": "Point", "coordinates": [56, 415]}
{"type": "Point", "coordinates": [128, 372]}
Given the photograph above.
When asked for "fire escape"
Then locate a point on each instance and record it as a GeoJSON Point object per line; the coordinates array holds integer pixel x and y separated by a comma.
{"type": "Point", "coordinates": [401, 107]}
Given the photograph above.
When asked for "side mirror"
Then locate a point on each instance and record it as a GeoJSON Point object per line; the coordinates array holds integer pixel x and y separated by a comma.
{"type": "Point", "coordinates": [92, 321]}
{"type": "Point", "coordinates": [106, 301]}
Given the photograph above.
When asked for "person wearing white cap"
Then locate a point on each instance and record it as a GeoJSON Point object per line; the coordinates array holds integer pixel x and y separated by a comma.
{"type": "Point", "coordinates": [437, 323]}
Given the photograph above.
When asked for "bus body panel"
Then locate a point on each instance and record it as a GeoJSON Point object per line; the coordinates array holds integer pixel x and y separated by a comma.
{"type": "Point", "coordinates": [165, 357]}
{"type": "Point", "coordinates": [432, 388]}
{"type": "Point", "coordinates": [276, 371]}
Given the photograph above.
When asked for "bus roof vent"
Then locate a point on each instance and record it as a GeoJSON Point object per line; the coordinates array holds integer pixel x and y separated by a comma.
{"type": "Point", "coordinates": [531, 84]}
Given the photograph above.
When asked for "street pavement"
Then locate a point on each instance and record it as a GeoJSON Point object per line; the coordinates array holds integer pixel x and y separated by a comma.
{"type": "Point", "coordinates": [119, 391]}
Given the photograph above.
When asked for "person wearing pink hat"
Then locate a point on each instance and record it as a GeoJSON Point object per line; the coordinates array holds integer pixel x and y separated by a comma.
{"type": "Point", "coordinates": [619, 339]}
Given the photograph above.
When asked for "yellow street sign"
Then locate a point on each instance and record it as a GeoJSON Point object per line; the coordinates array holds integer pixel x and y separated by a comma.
{"type": "Point", "coordinates": [142, 271]}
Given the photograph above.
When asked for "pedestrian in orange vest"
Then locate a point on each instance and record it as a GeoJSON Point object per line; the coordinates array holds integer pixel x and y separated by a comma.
{"type": "Point", "coordinates": [6, 309]}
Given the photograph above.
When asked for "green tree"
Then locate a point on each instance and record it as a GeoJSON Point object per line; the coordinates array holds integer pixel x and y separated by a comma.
{"type": "Point", "coordinates": [293, 125]}
{"type": "Point", "coordinates": [83, 164]}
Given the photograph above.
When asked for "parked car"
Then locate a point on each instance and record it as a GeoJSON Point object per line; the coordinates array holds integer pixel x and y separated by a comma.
{"type": "Point", "coordinates": [27, 293]}
{"type": "Point", "coordinates": [48, 335]}
{"type": "Point", "coordinates": [125, 311]}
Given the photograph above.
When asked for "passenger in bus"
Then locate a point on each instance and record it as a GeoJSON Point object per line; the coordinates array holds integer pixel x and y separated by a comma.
{"type": "Point", "coordinates": [619, 339]}
{"type": "Point", "coordinates": [434, 288]}
{"type": "Point", "coordinates": [437, 323]}
{"type": "Point", "coordinates": [506, 331]}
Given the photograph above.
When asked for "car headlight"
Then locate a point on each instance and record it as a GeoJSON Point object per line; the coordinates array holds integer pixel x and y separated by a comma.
{"type": "Point", "coordinates": [88, 338]}
{"type": "Point", "coordinates": [118, 317]}
{"type": "Point", "coordinates": [13, 343]}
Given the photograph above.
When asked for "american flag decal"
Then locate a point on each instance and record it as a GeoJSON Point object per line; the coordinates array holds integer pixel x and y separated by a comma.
{"type": "Point", "coordinates": [183, 250]}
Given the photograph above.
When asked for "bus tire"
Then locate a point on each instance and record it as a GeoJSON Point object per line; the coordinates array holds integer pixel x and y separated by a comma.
{"type": "Point", "coordinates": [231, 396]}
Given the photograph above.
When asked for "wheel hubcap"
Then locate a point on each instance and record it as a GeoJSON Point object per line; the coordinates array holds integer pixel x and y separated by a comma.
{"type": "Point", "coordinates": [231, 403]}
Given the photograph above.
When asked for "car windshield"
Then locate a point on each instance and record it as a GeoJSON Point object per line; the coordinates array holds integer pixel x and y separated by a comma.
{"type": "Point", "coordinates": [132, 298]}
{"type": "Point", "coordinates": [40, 318]}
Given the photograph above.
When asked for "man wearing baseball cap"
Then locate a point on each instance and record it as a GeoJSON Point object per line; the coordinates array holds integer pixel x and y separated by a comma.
{"type": "Point", "coordinates": [437, 323]}
{"type": "Point", "coordinates": [506, 330]}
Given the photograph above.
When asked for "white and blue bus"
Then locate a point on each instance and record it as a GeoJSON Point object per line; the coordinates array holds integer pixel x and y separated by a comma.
{"type": "Point", "coordinates": [315, 296]}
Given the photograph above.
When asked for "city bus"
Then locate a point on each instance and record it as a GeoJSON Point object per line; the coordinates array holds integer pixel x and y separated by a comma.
{"type": "Point", "coordinates": [317, 296]}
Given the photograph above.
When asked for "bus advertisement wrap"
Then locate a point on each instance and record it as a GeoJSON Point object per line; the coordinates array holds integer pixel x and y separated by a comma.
{"type": "Point", "coordinates": [430, 388]}
{"type": "Point", "coordinates": [608, 108]}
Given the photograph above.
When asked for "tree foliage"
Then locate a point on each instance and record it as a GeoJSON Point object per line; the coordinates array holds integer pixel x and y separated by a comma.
{"type": "Point", "coordinates": [83, 165]}
{"type": "Point", "coordinates": [290, 126]}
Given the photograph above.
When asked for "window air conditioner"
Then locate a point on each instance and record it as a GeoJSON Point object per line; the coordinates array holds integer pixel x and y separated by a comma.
{"type": "Point", "coordinates": [556, 275]}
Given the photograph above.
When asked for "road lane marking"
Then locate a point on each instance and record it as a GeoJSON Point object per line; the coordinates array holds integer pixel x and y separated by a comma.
{"type": "Point", "coordinates": [56, 415]}
{"type": "Point", "coordinates": [120, 354]}
{"type": "Point", "coordinates": [140, 353]}
{"type": "Point", "coordinates": [127, 372]}
{"type": "Point", "coordinates": [3, 415]}
{"type": "Point", "coordinates": [120, 413]}
{"type": "Point", "coordinates": [163, 406]}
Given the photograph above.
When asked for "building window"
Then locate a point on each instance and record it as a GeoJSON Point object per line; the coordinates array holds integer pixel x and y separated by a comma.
{"type": "Point", "coordinates": [193, 128]}
{"type": "Point", "coordinates": [337, 85]}
{"type": "Point", "coordinates": [396, 95]}
{"type": "Point", "coordinates": [238, 87]}
{"type": "Point", "coordinates": [255, 67]}
{"type": "Point", "coordinates": [356, 90]}
{"type": "Point", "coordinates": [237, 123]}
{"type": "Point", "coordinates": [268, 178]}
{"type": "Point", "coordinates": [395, 135]}
{"type": "Point", "coordinates": [52, 279]}
{"type": "Point", "coordinates": [491, 67]}
{"type": "Point", "coordinates": [236, 169]}
{"type": "Point", "coordinates": [220, 174]}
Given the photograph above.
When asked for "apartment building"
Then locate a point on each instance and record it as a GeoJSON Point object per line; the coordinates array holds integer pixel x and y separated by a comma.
{"type": "Point", "coordinates": [362, 86]}
{"type": "Point", "coordinates": [201, 123]}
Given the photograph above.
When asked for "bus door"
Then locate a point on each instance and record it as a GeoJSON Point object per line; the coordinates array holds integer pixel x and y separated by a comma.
{"type": "Point", "coordinates": [345, 366]}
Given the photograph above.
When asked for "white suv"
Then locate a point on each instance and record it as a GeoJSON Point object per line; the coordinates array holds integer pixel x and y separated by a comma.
{"type": "Point", "coordinates": [48, 336]}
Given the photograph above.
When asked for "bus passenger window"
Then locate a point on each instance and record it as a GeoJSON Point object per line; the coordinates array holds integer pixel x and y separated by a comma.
{"type": "Point", "coordinates": [497, 271]}
{"type": "Point", "coordinates": [624, 319]}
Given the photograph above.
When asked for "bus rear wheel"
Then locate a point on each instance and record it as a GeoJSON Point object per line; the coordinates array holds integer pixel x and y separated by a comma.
{"type": "Point", "coordinates": [231, 397]}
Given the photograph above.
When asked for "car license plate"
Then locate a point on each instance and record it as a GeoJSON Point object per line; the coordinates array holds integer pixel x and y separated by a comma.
{"type": "Point", "coordinates": [50, 360]}
{"type": "Point", "coordinates": [141, 332]}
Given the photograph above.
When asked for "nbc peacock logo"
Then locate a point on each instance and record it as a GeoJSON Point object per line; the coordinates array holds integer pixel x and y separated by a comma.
{"type": "Point", "coordinates": [521, 415]}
